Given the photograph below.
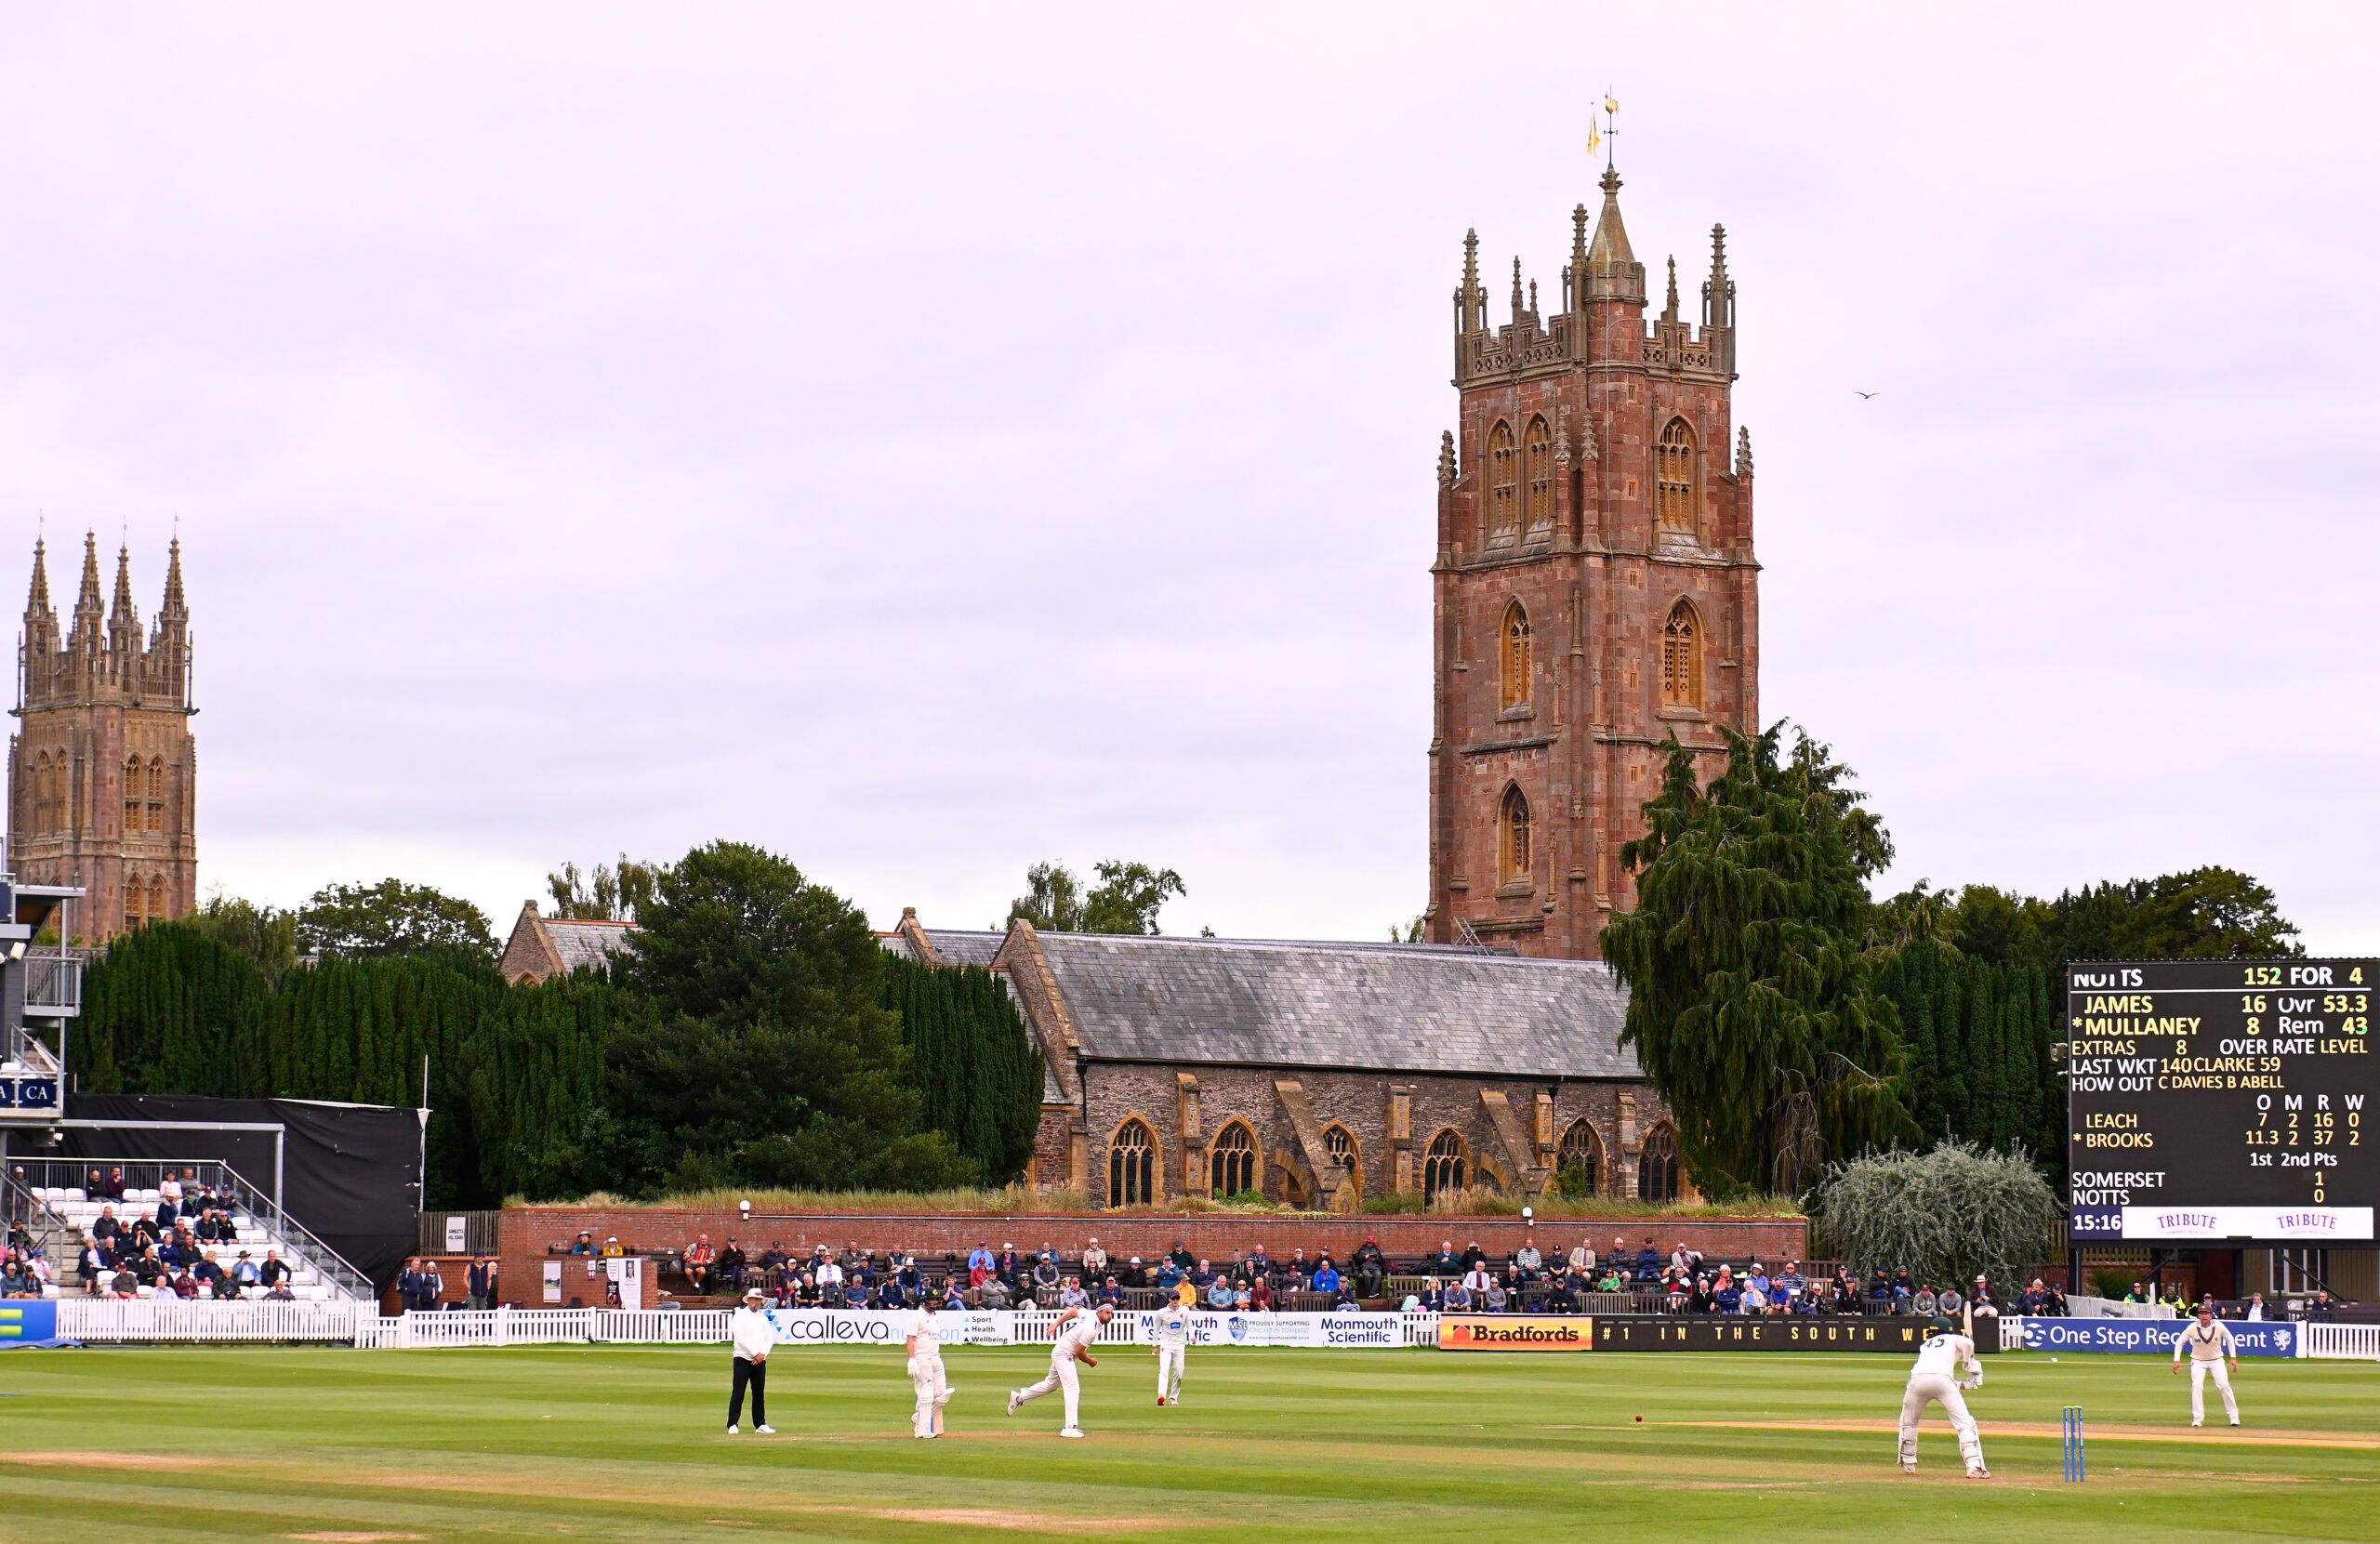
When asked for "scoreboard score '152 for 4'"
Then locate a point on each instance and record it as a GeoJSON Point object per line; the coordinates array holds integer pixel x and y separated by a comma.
{"type": "Point", "coordinates": [2222, 1099]}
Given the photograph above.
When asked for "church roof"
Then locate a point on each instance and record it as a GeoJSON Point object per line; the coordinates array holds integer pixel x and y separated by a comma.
{"type": "Point", "coordinates": [1414, 1008]}
{"type": "Point", "coordinates": [579, 944]}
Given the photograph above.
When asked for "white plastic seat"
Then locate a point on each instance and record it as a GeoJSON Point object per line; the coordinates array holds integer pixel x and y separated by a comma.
{"type": "Point", "coordinates": [74, 1194]}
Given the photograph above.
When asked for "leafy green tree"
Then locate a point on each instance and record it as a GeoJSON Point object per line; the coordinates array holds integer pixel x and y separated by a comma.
{"type": "Point", "coordinates": [1947, 1216]}
{"type": "Point", "coordinates": [1052, 901]}
{"type": "Point", "coordinates": [1126, 900]}
{"type": "Point", "coordinates": [971, 1059]}
{"type": "Point", "coordinates": [171, 1008]}
{"type": "Point", "coordinates": [756, 1052]}
{"type": "Point", "coordinates": [1128, 897]}
{"type": "Point", "coordinates": [536, 1075]}
{"type": "Point", "coordinates": [392, 919]}
{"type": "Point", "coordinates": [264, 935]}
{"type": "Point", "coordinates": [1752, 1004]}
{"type": "Point", "coordinates": [610, 895]}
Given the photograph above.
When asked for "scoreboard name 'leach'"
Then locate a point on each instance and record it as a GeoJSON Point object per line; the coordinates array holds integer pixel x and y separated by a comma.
{"type": "Point", "coordinates": [2222, 1099]}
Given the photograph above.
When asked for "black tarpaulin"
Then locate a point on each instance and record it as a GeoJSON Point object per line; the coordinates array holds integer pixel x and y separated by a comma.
{"type": "Point", "coordinates": [350, 1175]}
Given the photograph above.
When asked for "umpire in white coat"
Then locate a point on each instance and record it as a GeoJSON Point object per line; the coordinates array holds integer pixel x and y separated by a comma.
{"type": "Point", "coordinates": [753, 1335]}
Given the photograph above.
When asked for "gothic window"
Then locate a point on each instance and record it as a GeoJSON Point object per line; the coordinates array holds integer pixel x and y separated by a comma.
{"type": "Point", "coordinates": [156, 794]}
{"type": "Point", "coordinates": [1579, 1163]}
{"type": "Point", "coordinates": [1131, 1167]}
{"type": "Point", "coordinates": [1339, 1143]}
{"type": "Point", "coordinates": [1512, 837]}
{"type": "Point", "coordinates": [132, 794]}
{"type": "Point", "coordinates": [1447, 1168]}
{"type": "Point", "coordinates": [158, 910]}
{"type": "Point", "coordinates": [41, 794]}
{"type": "Point", "coordinates": [1656, 1167]}
{"type": "Point", "coordinates": [1538, 462]}
{"type": "Point", "coordinates": [1673, 461]}
{"type": "Point", "coordinates": [1503, 492]}
{"type": "Point", "coordinates": [1682, 658]}
{"type": "Point", "coordinates": [1520, 657]}
{"type": "Point", "coordinates": [1232, 1161]}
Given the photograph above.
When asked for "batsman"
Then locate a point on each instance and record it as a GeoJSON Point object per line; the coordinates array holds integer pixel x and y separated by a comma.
{"type": "Point", "coordinates": [1945, 1353]}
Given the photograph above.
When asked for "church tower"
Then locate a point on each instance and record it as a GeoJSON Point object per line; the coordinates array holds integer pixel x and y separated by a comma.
{"type": "Point", "coordinates": [1594, 587]}
{"type": "Point", "coordinates": [102, 770]}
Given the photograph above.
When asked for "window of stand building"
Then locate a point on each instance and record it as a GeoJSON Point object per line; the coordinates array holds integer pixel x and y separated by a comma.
{"type": "Point", "coordinates": [1447, 1167]}
{"type": "Point", "coordinates": [1232, 1164]}
{"type": "Point", "coordinates": [1682, 658]}
{"type": "Point", "coordinates": [1657, 1176]}
{"type": "Point", "coordinates": [1513, 837]}
{"type": "Point", "coordinates": [1674, 470]}
{"type": "Point", "coordinates": [1131, 1167]}
{"type": "Point", "coordinates": [1503, 485]}
{"type": "Point", "coordinates": [1519, 659]}
{"type": "Point", "coordinates": [1579, 1163]}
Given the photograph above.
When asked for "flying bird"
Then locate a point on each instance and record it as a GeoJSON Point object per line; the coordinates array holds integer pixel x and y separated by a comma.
{"type": "Point", "coordinates": [1863, 395]}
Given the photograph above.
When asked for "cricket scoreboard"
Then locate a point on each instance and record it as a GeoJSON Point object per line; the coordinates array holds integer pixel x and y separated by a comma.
{"type": "Point", "coordinates": [2223, 1101]}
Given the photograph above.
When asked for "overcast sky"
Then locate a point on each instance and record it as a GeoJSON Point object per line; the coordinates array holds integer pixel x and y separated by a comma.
{"type": "Point", "coordinates": [926, 440]}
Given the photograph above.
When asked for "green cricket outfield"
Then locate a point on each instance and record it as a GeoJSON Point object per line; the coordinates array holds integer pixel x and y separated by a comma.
{"type": "Point", "coordinates": [627, 1442]}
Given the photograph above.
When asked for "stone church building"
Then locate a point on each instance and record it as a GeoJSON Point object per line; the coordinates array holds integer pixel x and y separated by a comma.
{"type": "Point", "coordinates": [1595, 590]}
{"type": "Point", "coordinates": [103, 770]}
{"type": "Point", "coordinates": [1320, 1073]}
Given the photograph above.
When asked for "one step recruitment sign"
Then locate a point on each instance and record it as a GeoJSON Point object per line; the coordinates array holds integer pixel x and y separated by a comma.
{"type": "Point", "coordinates": [2216, 1101]}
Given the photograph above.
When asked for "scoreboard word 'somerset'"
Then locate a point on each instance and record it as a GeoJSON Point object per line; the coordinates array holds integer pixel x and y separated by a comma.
{"type": "Point", "coordinates": [2222, 1100]}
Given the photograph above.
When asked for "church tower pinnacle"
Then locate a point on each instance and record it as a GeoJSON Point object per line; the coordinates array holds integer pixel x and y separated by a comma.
{"type": "Point", "coordinates": [1595, 592]}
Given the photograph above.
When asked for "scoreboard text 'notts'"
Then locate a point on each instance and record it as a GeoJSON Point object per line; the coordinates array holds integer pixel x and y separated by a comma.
{"type": "Point", "coordinates": [2222, 1100]}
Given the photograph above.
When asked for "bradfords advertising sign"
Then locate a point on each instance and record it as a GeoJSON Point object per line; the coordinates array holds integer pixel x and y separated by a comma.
{"type": "Point", "coordinates": [2150, 1337]}
{"type": "Point", "coordinates": [1513, 1332]}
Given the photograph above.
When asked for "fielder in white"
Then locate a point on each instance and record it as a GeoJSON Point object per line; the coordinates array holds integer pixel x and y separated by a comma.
{"type": "Point", "coordinates": [2208, 1341]}
{"type": "Point", "coordinates": [1170, 1329]}
{"type": "Point", "coordinates": [924, 1346]}
{"type": "Point", "coordinates": [1076, 1330]}
{"type": "Point", "coordinates": [1943, 1355]}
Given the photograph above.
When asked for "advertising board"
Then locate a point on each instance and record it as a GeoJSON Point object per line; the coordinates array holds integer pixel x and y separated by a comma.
{"type": "Point", "coordinates": [1513, 1332]}
{"type": "Point", "coordinates": [1784, 1332]}
{"type": "Point", "coordinates": [2151, 1336]}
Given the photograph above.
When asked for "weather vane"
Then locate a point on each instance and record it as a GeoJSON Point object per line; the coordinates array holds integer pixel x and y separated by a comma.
{"type": "Point", "coordinates": [1602, 140]}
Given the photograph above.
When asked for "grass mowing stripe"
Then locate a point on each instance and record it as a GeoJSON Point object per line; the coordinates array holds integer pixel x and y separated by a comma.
{"type": "Point", "coordinates": [614, 1442]}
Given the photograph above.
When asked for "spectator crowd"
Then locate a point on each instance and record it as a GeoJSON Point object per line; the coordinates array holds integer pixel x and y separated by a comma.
{"type": "Point", "coordinates": [1526, 1280]}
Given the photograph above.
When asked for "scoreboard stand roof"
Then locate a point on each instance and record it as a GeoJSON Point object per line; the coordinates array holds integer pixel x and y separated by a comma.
{"type": "Point", "coordinates": [2222, 1101]}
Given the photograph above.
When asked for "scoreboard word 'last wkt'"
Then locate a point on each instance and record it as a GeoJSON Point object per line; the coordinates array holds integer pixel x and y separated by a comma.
{"type": "Point", "coordinates": [2222, 1100]}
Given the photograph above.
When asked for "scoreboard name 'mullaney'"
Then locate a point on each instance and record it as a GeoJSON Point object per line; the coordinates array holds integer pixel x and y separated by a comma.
{"type": "Point", "coordinates": [2222, 1100]}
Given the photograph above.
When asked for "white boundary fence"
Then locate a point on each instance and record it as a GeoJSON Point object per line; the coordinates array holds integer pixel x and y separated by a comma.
{"type": "Point", "coordinates": [2341, 1342]}
{"type": "Point", "coordinates": [97, 1321]}
{"type": "Point", "coordinates": [103, 1321]}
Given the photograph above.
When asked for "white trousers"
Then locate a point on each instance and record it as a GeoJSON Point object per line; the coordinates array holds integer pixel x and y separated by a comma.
{"type": "Point", "coordinates": [2199, 1369]}
{"type": "Point", "coordinates": [1170, 1360]}
{"type": "Point", "coordinates": [1063, 1375]}
{"type": "Point", "coordinates": [1926, 1389]}
{"type": "Point", "coordinates": [933, 1389]}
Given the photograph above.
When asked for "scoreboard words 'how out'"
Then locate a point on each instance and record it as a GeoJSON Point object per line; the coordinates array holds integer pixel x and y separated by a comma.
{"type": "Point", "coordinates": [2224, 1101]}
